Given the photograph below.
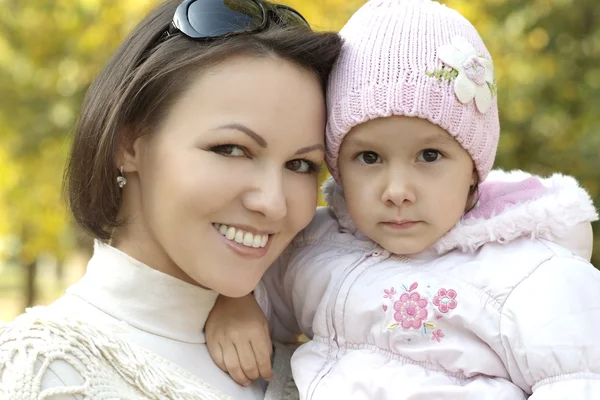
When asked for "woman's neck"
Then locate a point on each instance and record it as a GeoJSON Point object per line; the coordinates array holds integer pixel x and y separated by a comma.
{"type": "Point", "coordinates": [137, 242]}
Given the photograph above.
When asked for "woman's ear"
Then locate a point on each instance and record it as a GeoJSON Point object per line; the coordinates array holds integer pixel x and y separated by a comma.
{"type": "Point", "coordinates": [129, 151]}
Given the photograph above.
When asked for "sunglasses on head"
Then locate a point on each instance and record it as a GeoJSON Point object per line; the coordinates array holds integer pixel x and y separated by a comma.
{"type": "Point", "coordinates": [210, 19]}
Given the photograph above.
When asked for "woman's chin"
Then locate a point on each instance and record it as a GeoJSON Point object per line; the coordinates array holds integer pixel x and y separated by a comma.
{"type": "Point", "coordinates": [236, 291]}
{"type": "Point", "coordinates": [234, 285]}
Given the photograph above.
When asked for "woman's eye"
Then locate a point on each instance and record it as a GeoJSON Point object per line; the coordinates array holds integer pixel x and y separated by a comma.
{"type": "Point", "coordinates": [368, 157]}
{"type": "Point", "coordinates": [430, 155]}
{"type": "Point", "coordinates": [302, 166]}
{"type": "Point", "coordinates": [229, 150]}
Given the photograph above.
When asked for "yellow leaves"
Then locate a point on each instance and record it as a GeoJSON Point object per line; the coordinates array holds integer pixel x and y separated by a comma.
{"type": "Point", "coordinates": [137, 8]}
{"type": "Point", "coordinates": [592, 78]}
{"type": "Point", "coordinates": [326, 14]}
{"type": "Point", "coordinates": [29, 17]}
{"type": "Point", "coordinates": [538, 39]}
{"type": "Point", "coordinates": [37, 212]}
{"type": "Point", "coordinates": [465, 7]}
{"type": "Point", "coordinates": [6, 51]}
{"type": "Point", "coordinates": [8, 178]}
{"type": "Point", "coordinates": [69, 76]}
{"type": "Point", "coordinates": [62, 115]}
{"type": "Point", "coordinates": [323, 176]}
{"type": "Point", "coordinates": [519, 110]}
{"type": "Point", "coordinates": [92, 38]}
{"type": "Point", "coordinates": [542, 7]}
{"type": "Point", "coordinates": [92, 6]}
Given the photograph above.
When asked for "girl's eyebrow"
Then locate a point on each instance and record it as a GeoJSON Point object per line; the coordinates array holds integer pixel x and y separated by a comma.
{"type": "Point", "coordinates": [440, 138]}
{"type": "Point", "coordinates": [357, 142]}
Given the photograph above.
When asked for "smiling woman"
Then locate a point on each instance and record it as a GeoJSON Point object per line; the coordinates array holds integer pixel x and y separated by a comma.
{"type": "Point", "coordinates": [224, 155]}
{"type": "Point", "coordinates": [194, 163]}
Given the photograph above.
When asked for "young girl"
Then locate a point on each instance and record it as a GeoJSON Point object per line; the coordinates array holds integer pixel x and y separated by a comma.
{"type": "Point", "coordinates": [425, 278]}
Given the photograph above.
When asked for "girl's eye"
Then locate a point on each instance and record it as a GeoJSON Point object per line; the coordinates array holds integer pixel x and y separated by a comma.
{"type": "Point", "coordinates": [430, 156]}
{"type": "Point", "coordinates": [368, 157]}
{"type": "Point", "coordinates": [229, 150]}
{"type": "Point", "coordinates": [302, 166]}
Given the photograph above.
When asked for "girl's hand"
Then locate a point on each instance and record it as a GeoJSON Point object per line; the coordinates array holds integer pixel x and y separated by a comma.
{"type": "Point", "coordinates": [238, 339]}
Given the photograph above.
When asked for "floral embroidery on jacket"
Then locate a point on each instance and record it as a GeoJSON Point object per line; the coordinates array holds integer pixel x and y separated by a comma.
{"type": "Point", "coordinates": [437, 335]}
{"type": "Point", "coordinates": [445, 300]}
{"type": "Point", "coordinates": [410, 310]}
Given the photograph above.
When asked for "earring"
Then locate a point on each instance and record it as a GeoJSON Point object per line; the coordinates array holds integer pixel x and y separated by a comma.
{"type": "Point", "coordinates": [121, 180]}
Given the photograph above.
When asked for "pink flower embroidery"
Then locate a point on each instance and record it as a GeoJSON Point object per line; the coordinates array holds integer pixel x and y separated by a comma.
{"type": "Point", "coordinates": [437, 335]}
{"type": "Point", "coordinates": [389, 293]}
{"type": "Point", "coordinates": [445, 300]}
{"type": "Point", "coordinates": [411, 310]}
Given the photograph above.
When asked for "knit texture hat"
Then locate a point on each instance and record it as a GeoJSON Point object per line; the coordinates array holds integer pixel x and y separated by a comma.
{"type": "Point", "coordinates": [415, 58]}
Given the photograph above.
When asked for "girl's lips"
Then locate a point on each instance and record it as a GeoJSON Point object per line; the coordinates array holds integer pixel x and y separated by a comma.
{"type": "Point", "coordinates": [400, 224]}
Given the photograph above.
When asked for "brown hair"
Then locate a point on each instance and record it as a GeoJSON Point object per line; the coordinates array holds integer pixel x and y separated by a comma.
{"type": "Point", "coordinates": [138, 84]}
{"type": "Point", "coordinates": [473, 197]}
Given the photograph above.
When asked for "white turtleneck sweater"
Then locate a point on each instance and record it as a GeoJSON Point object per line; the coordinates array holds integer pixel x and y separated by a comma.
{"type": "Point", "coordinates": [143, 308]}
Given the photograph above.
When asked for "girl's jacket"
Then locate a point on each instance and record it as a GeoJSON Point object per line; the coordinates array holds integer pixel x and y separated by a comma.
{"type": "Point", "coordinates": [504, 306]}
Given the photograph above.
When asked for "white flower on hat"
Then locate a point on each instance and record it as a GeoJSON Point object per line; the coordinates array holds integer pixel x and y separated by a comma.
{"type": "Point", "coordinates": [475, 74]}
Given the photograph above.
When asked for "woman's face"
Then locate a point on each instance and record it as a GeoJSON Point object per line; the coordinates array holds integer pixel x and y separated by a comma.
{"type": "Point", "coordinates": [218, 191]}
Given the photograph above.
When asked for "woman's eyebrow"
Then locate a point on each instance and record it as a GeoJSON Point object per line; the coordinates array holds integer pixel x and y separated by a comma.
{"type": "Point", "coordinates": [308, 149]}
{"type": "Point", "coordinates": [242, 128]}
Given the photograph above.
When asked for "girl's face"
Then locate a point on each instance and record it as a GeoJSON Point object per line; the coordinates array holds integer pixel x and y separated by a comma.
{"type": "Point", "coordinates": [406, 181]}
{"type": "Point", "coordinates": [216, 193]}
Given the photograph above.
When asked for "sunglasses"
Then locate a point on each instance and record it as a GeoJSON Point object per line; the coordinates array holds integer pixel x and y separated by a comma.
{"type": "Point", "coordinates": [210, 19]}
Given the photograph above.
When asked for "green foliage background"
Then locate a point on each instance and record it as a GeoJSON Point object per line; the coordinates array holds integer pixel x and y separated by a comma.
{"type": "Point", "coordinates": [546, 54]}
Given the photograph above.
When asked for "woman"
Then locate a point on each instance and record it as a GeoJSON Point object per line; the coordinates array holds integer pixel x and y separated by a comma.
{"type": "Point", "coordinates": [194, 164]}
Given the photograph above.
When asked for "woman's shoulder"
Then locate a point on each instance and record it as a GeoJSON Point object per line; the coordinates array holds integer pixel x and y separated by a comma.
{"type": "Point", "coordinates": [32, 360]}
{"type": "Point", "coordinates": [44, 351]}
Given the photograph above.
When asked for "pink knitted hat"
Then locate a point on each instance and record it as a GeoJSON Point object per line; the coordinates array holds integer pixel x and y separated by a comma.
{"type": "Point", "coordinates": [416, 58]}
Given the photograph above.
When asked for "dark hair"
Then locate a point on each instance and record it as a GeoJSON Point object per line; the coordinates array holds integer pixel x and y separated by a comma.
{"type": "Point", "coordinates": [473, 197]}
{"type": "Point", "coordinates": [133, 93]}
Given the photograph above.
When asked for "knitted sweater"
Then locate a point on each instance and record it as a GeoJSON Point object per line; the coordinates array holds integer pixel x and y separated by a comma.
{"type": "Point", "coordinates": [124, 331]}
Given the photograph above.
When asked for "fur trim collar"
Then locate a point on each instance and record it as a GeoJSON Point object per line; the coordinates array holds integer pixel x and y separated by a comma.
{"type": "Point", "coordinates": [512, 205]}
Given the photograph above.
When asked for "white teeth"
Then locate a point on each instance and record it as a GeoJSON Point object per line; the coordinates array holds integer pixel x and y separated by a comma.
{"type": "Point", "coordinates": [239, 237]}
{"type": "Point", "coordinates": [248, 239]}
{"type": "Point", "coordinates": [242, 237]}
{"type": "Point", "coordinates": [230, 233]}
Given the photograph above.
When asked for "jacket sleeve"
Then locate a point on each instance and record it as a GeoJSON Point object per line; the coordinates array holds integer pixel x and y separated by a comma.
{"type": "Point", "coordinates": [274, 295]}
{"type": "Point", "coordinates": [550, 326]}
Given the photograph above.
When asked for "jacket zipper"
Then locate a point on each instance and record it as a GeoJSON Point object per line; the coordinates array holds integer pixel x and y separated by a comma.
{"type": "Point", "coordinates": [374, 252]}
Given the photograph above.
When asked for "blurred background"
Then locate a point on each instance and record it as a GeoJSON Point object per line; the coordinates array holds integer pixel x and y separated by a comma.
{"type": "Point", "coordinates": [546, 54]}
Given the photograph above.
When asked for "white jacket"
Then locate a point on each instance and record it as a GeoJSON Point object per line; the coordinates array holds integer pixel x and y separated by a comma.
{"type": "Point", "coordinates": [504, 306]}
